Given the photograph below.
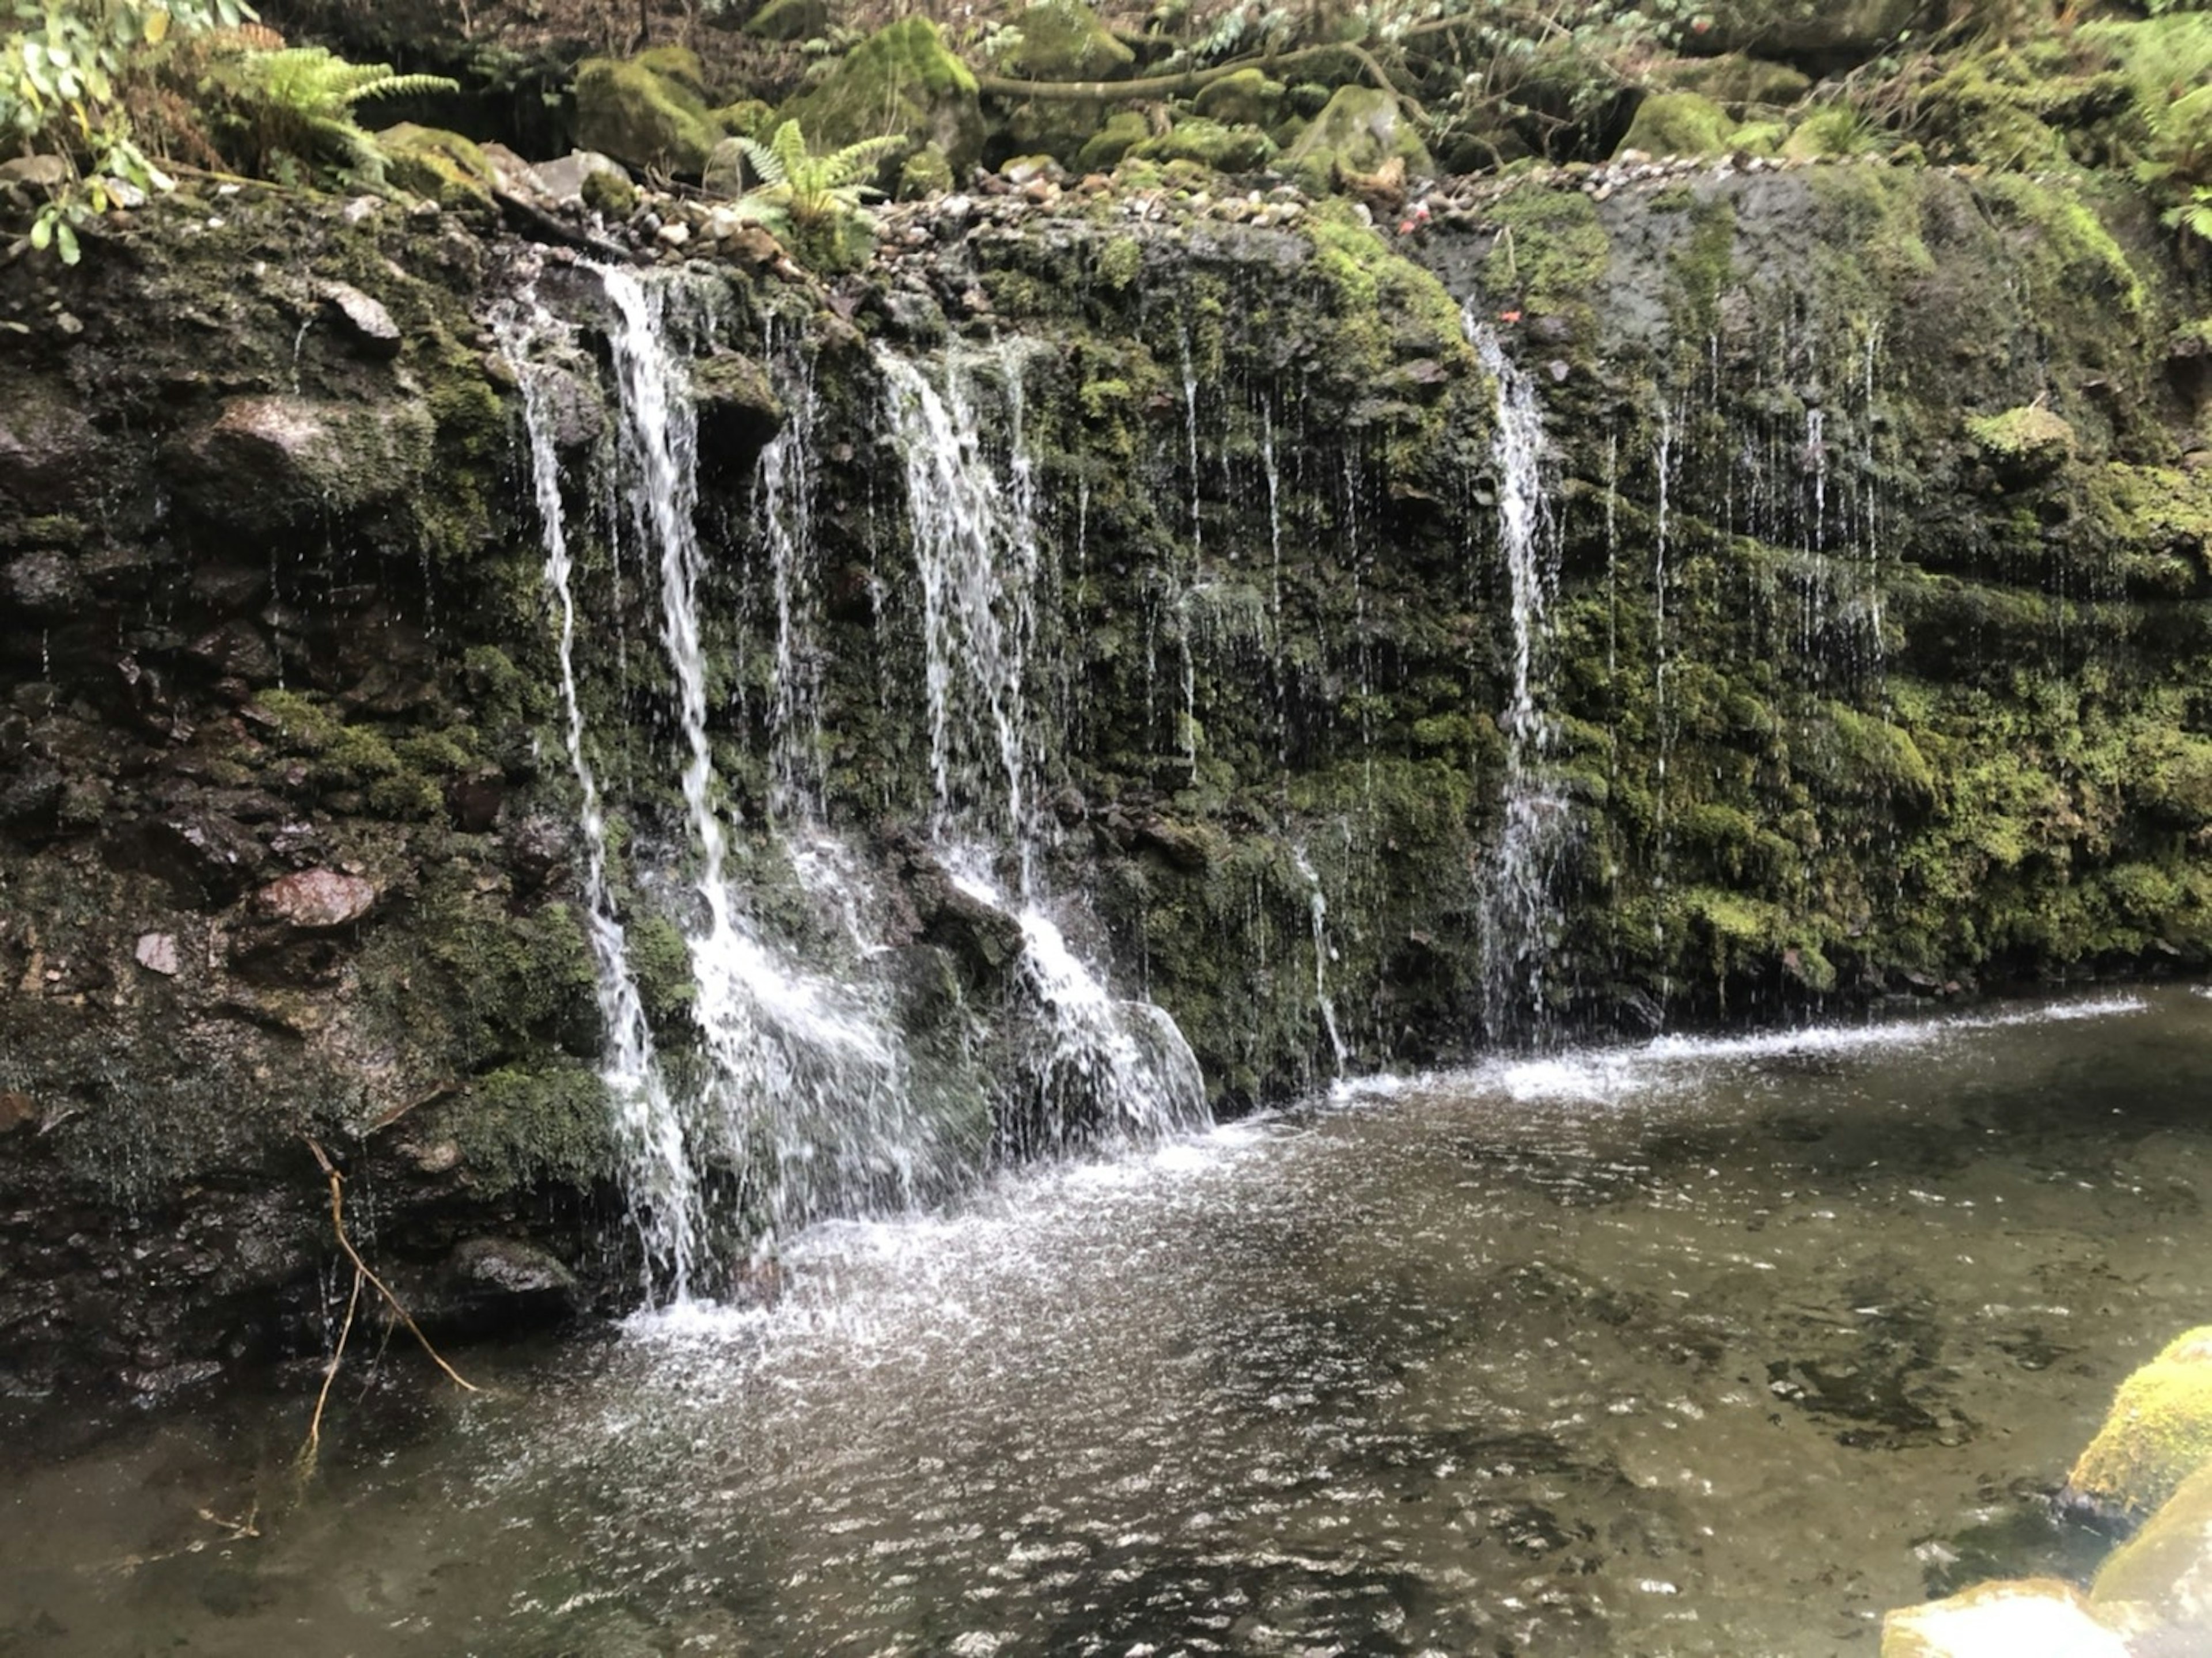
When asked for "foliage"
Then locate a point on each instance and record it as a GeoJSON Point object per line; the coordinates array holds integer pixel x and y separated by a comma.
{"type": "Point", "coordinates": [289, 112]}
{"type": "Point", "coordinates": [814, 199]}
{"type": "Point", "coordinates": [68, 72]}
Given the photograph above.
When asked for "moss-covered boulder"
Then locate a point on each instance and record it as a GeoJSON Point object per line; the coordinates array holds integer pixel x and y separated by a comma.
{"type": "Point", "coordinates": [1247, 97]}
{"type": "Point", "coordinates": [2161, 1581]}
{"type": "Point", "coordinates": [1359, 130]}
{"type": "Point", "coordinates": [1813, 34]}
{"type": "Point", "coordinates": [1103, 151]}
{"type": "Point", "coordinates": [1064, 41]}
{"type": "Point", "coordinates": [926, 173]}
{"type": "Point", "coordinates": [1739, 81]}
{"type": "Point", "coordinates": [1213, 145]}
{"type": "Point", "coordinates": [2022, 446]}
{"type": "Point", "coordinates": [902, 81]}
{"type": "Point", "coordinates": [650, 111]}
{"type": "Point", "coordinates": [789, 20]}
{"type": "Point", "coordinates": [437, 164]}
{"type": "Point", "coordinates": [2158, 1433]}
{"type": "Point", "coordinates": [1679, 124]}
{"type": "Point", "coordinates": [2030, 1617]}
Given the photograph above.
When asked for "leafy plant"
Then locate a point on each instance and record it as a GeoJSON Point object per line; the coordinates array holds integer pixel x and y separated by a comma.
{"type": "Point", "coordinates": [290, 111]}
{"type": "Point", "coordinates": [803, 190]}
{"type": "Point", "coordinates": [69, 71]}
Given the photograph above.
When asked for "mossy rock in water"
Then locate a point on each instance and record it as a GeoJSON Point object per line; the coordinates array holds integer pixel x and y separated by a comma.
{"type": "Point", "coordinates": [1678, 123]}
{"type": "Point", "coordinates": [1220, 149]}
{"type": "Point", "coordinates": [438, 166]}
{"type": "Point", "coordinates": [1064, 41]}
{"type": "Point", "coordinates": [1247, 97]}
{"type": "Point", "coordinates": [902, 81]}
{"type": "Point", "coordinates": [2025, 1617]}
{"type": "Point", "coordinates": [2158, 1433]}
{"type": "Point", "coordinates": [649, 111]}
{"type": "Point", "coordinates": [1103, 152]}
{"type": "Point", "coordinates": [2022, 446]}
{"type": "Point", "coordinates": [1360, 129]}
{"type": "Point", "coordinates": [2161, 1580]}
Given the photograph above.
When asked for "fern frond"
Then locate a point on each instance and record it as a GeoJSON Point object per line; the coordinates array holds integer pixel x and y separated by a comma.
{"type": "Point", "coordinates": [855, 162]}
{"type": "Point", "coordinates": [767, 166]}
{"type": "Point", "coordinates": [787, 144]}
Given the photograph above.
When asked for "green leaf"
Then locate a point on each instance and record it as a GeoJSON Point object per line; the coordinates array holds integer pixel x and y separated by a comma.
{"type": "Point", "coordinates": [66, 242]}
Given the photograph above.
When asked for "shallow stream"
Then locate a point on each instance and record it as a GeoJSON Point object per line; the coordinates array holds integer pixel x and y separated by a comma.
{"type": "Point", "coordinates": [1700, 1347]}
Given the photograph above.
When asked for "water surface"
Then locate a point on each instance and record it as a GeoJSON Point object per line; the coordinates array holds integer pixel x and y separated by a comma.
{"type": "Point", "coordinates": [1702, 1347]}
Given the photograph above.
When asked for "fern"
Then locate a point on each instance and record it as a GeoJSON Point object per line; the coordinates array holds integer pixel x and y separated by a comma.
{"type": "Point", "coordinates": [806, 189]}
{"type": "Point", "coordinates": [291, 107]}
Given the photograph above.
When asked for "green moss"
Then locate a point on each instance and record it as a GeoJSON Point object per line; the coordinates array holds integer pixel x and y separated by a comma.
{"type": "Point", "coordinates": [610, 193]}
{"type": "Point", "coordinates": [1247, 97]}
{"type": "Point", "coordinates": [2022, 446]}
{"type": "Point", "coordinates": [1679, 124]}
{"type": "Point", "coordinates": [660, 960]}
{"type": "Point", "coordinates": [1120, 262]}
{"type": "Point", "coordinates": [648, 110]}
{"type": "Point", "coordinates": [2156, 1577]}
{"type": "Point", "coordinates": [1360, 130]}
{"type": "Point", "coordinates": [926, 173]}
{"type": "Point", "coordinates": [1826, 134]}
{"type": "Point", "coordinates": [1217, 147]}
{"type": "Point", "coordinates": [902, 81]}
{"type": "Point", "coordinates": [1551, 252]}
{"type": "Point", "coordinates": [1064, 41]}
{"type": "Point", "coordinates": [527, 1125]}
{"type": "Point", "coordinates": [1103, 151]}
{"type": "Point", "coordinates": [440, 166]}
{"type": "Point", "coordinates": [2158, 1432]}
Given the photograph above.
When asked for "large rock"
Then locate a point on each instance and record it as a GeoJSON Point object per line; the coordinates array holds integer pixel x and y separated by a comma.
{"type": "Point", "coordinates": [1359, 130]}
{"type": "Point", "coordinates": [497, 1283]}
{"type": "Point", "coordinates": [44, 442]}
{"type": "Point", "coordinates": [651, 111]}
{"type": "Point", "coordinates": [2032, 1617]}
{"type": "Point", "coordinates": [2158, 1433]}
{"type": "Point", "coordinates": [1064, 41]}
{"type": "Point", "coordinates": [273, 463]}
{"type": "Point", "coordinates": [1810, 35]}
{"type": "Point", "coordinates": [2161, 1582]}
{"type": "Point", "coordinates": [902, 81]}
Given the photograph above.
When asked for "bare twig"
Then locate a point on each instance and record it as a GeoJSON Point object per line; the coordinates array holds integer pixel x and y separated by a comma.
{"type": "Point", "coordinates": [309, 1451]}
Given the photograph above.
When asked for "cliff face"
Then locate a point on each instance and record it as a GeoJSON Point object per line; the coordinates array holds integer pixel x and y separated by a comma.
{"type": "Point", "coordinates": [1850, 641]}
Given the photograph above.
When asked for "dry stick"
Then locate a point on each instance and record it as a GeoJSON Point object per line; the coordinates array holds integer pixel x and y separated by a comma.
{"type": "Point", "coordinates": [338, 1226]}
{"type": "Point", "coordinates": [308, 1451]}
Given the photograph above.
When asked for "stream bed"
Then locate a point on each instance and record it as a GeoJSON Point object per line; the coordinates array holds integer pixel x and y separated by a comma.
{"type": "Point", "coordinates": [1696, 1347]}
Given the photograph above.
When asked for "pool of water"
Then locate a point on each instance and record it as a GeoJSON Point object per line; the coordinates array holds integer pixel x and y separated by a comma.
{"type": "Point", "coordinates": [1700, 1347]}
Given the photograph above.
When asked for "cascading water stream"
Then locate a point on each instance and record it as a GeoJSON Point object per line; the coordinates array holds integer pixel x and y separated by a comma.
{"type": "Point", "coordinates": [1520, 910]}
{"type": "Point", "coordinates": [1105, 1068]}
{"type": "Point", "coordinates": [664, 1199]}
{"type": "Point", "coordinates": [1324, 953]}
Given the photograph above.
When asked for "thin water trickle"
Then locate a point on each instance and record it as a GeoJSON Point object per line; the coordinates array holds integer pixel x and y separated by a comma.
{"type": "Point", "coordinates": [1521, 909]}
{"type": "Point", "coordinates": [1323, 953]}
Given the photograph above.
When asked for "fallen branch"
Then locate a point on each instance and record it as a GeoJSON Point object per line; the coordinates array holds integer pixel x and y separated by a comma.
{"type": "Point", "coordinates": [1179, 85]}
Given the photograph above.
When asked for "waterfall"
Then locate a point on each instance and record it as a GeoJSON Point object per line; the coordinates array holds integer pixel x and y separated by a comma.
{"type": "Point", "coordinates": [1318, 908]}
{"type": "Point", "coordinates": [783, 520]}
{"type": "Point", "coordinates": [1520, 912]}
{"type": "Point", "coordinates": [1102, 1067]}
{"type": "Point", "coordinates": [665, 1201]}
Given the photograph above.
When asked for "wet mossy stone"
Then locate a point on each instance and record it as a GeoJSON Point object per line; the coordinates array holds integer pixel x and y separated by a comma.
{"type": "Point", "coordinates": [1103, 152]}
{"type": "Point", "coordinates": [2022, 446]}
{"type": "Point", "coordinates": [1213, 145]}
{"type": "Point", "coordinates": [2158, 1433]}
{"type": "Point", "coordinates": [902, 82]}
{"type": "Point", "coordinates": [648, 110]}
{"type": "Point", "coordinates": [438, 166]}
{"type": "Point", "coordinates": [1739, 80]}
{"type": "Point", "coordinates": [1359, 130]}
{"type": "Point", "coordinates": [789, 20]}
{"type": "Point", "coordinates": [926, 173]}
{"type": "Point", "coordinates": [2024, 1617]}
{"type": "Point", "coordinates": [2161, 1579]}
{"type": "Point", "coordinates": [1064, 41]}
{"type": "Point", "coordinates": [1679, 124]}
{"type": "Point", "coordinates": [1247, 97]}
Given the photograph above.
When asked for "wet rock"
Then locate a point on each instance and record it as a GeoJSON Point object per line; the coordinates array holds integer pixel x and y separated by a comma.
{"type": "Point", "coordinates": [273, 463]}
{"type": "Point", "coordinates": [361, 320]}
{"type": "Point", "coordinates": [489, 1284]}
{"type": "Point", "coordinates": [46, 445]}
{"type": "Point", "coordinates": [316, 899]}
{"type": "Point", "coordinates": [17, 1110]}
{"type": "Point", "coordinates": [2159, 1586]}
{"type": "Point", "coordinates": [565, 179]}
{"type": "Point", "coordinates": [536, 851]}
{"type": "Point", "coordinates": [738, 409]}
{"type": "Point", "coordinates": [2158, 1433]}
{"type": "Point", "coordinates": [650, 111]}
{"type": "Point", "coordinates": [2023, 445]}
{"type": "Point", "coordinates": [206, 857]}
{"type": "Point", "coordinates": [45, 584]}
{"type": "Point", "coordinates": [157, 953]}
{"type": "Point", "coordinates": [2030, 1617]}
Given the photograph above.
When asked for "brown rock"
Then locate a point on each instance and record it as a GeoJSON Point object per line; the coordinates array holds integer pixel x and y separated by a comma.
{"type": "Point", "coordinates": [157, 953]}
{"type": "Point", "coordinates": [16, 1111]}
{"type": "Point", "coordinates": [316, 900]}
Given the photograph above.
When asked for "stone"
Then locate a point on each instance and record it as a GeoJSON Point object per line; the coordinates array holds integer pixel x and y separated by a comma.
{"type": "Point", "coordinates": [1122, 132]}
{"type": "Point", "coordinates": [738, 409]}
{"type": "Point", "coordinates": [1359, 130]}
{"type": "Point", "coordinates": [438, 165]}
{"type": "Point", "coordinates": [1678, 123]}
{"type": "Point", "coordinates": [566, 180]}
{"type": "Point", "coordinates": [362, 321]}
{"type": "Point", "coordinates": [2028, 1617]}
{"type": "Point", "coordinates": [267, 464]}
{"type": "Point", "coordinates": [2158, 1433]}
{"type": "Point", "coordinates": [39, 172]}
{"type": "Point", "coordinates": [45, 584]}
{"type": "Point", "coordinates": [1814, 35]}
{"type": "Point", "coordinates": [649, 111]}
{"type": "Point", "coordinates": [316, 899]}
{"type": "Point", "coordinates": [1247, 97]}
{"type": "Point", "coordinates": [157, 953]}
{"type": "Point", "coordinates": [1065, 40]}
{"type": "Point", "coordinates": [45, 442]}
{"type": "Point", "coordinates": [499, 1283]}
{"type": "Point", "coordinates": [1213, 146]}
{"type": "Point", "coordinates": [2022, 446]}
{"type": "Point", "coordinates": [2160, 1581]}
{"type": "Point", "coordinates": [17, 1110]}
{"type": "Point", "coordinates": [902, 81]}
{"type": "Point", "coordinates": [924, 173]}
{"type": "Point", "coordinates": [206, 858]}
